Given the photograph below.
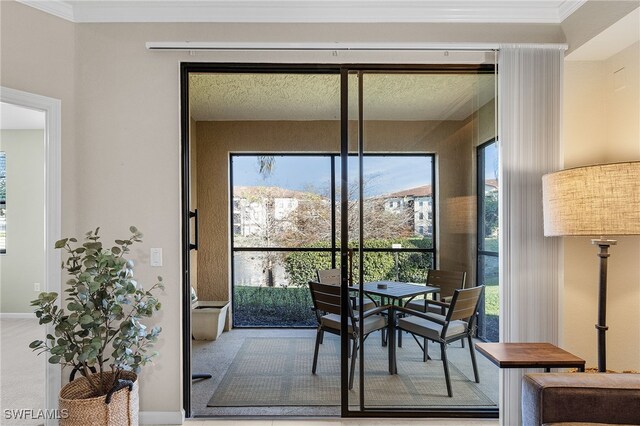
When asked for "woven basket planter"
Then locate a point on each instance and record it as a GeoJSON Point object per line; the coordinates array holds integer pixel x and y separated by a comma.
{"type": "Point", "coordinates": [82, 409]}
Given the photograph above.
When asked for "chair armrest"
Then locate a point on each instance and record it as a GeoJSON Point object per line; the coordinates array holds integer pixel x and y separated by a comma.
{"type": "Point", "coordinates": [438, 302]}
{"type": "Point", "coordinates": [376, 311]}
{"type": "Point", "coordinates": [419, 314]}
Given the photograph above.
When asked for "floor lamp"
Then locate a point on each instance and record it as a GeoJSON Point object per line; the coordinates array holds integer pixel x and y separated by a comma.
{"type": "Point", "coordinates": [600, 200]}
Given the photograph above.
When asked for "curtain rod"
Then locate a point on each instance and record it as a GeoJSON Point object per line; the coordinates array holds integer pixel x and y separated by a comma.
{"type": "Point", "coordinates": [340, 46]}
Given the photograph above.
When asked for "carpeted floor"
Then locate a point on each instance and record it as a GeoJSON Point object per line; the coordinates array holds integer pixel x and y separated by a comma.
{"type": "Point", "coordinates": [22, 372]}
{"type": "Point", "coordinates": [276, 371]}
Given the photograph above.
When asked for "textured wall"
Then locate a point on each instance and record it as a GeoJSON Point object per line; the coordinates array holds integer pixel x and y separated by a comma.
{"type": "Point", "coordinates": [452, 142]}
{"type": "Point", "coordinates": [23, 265]}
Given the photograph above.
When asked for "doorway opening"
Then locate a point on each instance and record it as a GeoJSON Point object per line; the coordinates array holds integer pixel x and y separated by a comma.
{"type": "Point", "coordinates": [29, 217]}
{"type": "Point", "coordinates": [297, 169]}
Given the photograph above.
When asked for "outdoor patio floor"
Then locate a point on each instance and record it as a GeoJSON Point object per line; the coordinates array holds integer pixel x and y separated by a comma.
{"type": "Point", "coordinates": [217, 358]}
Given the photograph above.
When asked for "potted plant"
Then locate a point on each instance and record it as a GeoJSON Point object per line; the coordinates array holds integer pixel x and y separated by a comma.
{"type": "Point", "coordinates": [100, 333]}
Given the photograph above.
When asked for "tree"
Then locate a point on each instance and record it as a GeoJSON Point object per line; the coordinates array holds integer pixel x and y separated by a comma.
{"type": "Point", "coordinates": [491, 213]}
{"type": "Point", "coordinates": [311, 221]}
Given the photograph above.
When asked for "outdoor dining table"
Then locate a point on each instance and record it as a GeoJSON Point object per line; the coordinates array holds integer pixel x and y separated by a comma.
{"type": "Point", "coordinates": [395, 292]}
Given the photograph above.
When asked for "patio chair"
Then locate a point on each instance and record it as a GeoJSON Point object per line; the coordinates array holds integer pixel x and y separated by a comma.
{"type": "Point", "coordinates": [447, 282]}
{"type": "Point", "coordinates": [332, 277]}
{"type": "Point", "coordinates": [457, 324]}
{"type": "Point", "coordinates": [326, 299]}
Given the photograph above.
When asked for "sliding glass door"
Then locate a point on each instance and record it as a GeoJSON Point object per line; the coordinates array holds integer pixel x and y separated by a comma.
{"type": "Point", "coordinates": [414, 211]}
{"type": "Point", "coordinates": [368, 169]}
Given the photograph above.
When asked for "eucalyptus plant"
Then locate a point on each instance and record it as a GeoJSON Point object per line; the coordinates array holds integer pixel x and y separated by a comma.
{"type": "Point", "coordinates": [101, 328]}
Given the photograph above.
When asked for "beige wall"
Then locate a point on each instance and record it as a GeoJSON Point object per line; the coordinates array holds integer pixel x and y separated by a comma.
{"type": "Point", "coordinates": [120, 126]}
{"type": "Point", "coordinates": [602, 124]}
{"type": "Point", "coordinates": [39, 56]}
{"type": "Point", "coordinates": [452, 142]}
{"type": "Point", "coordinates": [23, 264]}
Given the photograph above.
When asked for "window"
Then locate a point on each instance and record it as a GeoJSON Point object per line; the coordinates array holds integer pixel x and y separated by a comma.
{"type": "Point", "coordinates": [291, 228]}
{"type": "Point", "coordinates": [3, 202]}
{"type": "Point", "coordinates": [421, 216]}
{"type": "Point", "coordinates": [488, 232]}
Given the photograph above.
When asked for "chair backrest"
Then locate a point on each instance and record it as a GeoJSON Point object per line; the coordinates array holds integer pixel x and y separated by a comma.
{"type": "Point", "coordinates": [464, 304]}
{"type": "Point", "coordinates": [329, 276]}
{"type": "Point", "coordinates": [446, 281]}
{"type": "Point", "coordinates": [326, 298]}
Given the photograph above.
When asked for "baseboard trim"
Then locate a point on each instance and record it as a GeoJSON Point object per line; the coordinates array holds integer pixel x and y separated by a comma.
{"type": "Point", "coordinates": [26, 315]}
{"type": "Point", "coordinates": [161, 417]}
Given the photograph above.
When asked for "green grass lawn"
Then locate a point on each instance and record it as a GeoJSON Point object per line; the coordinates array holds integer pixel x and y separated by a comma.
{"type": "Point", "coordinates": [273, 306]}
{"type": "Point", "coordinates": [491, 300]}
{"type": "Point", "coordinates": [277, 306]}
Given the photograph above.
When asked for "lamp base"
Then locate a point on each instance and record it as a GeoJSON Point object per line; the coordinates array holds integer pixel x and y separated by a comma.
{"type": "Point", "coordinates": [601, 326]}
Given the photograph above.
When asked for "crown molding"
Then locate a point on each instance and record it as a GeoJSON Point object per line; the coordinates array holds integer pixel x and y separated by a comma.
{"type": "Point", "coordinates": [567, 7]}
{"type": "Point", "coordinates": [310, 11]}
{"type": "Point", "coordinates": [61, 9]}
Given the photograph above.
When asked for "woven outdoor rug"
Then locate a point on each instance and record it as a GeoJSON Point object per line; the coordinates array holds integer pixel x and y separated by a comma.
{"type": "Point", "coordinates": [277, 372]}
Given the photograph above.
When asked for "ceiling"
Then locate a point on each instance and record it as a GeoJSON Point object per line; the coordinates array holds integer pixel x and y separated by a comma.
{"type": "Point", "coordinates": [514, 11]}
{"type": "Point", "coordinates": [18, 118]}
{"type": "Point", "coordinates": [408, 97]}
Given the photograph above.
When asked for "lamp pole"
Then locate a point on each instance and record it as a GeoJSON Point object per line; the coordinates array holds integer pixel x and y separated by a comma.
{"type": "Point", "coordinates": [602, 302]}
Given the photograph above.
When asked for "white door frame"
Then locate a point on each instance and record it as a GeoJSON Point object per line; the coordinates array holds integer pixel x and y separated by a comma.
{"type": "Point", "coordinates": [52, 205]}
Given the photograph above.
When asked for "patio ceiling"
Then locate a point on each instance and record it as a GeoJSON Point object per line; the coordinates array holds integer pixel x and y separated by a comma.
{"type": "Point", "coordinates": [403, 97]}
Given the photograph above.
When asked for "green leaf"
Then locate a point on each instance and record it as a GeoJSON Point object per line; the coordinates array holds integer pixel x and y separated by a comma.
{"type": "Point", "coordinates": [55, 359]}
{"type": "Point", "coordinates": [61, 243]}
{"type": "Point", "coordinates": [133, 229]}
{"type": "Point", "coordinates": [85, 319]}
{"type": "Point", "coordinates": [35, 344]}
{"type": "Point", "coordinates": [116, 250]}
{"type": "Point", "coordinates": [58, 350]}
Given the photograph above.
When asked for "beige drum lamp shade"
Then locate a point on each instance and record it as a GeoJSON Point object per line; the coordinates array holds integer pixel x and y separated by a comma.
{"type": "Point", "coordinates": [594, 200]}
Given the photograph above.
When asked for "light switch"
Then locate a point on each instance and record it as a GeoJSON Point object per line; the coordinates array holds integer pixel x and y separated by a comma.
{"type": "Point", "coordinates": [156, 257]}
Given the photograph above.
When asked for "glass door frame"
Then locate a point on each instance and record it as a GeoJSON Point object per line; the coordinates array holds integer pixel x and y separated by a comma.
{"type": "Point", "coordinates": [187, 68]}
{"type": "Point", "coordinates": [481, 249]}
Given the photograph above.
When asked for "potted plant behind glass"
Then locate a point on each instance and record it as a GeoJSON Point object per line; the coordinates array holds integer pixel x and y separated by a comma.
{"type": "Point", "coordinates": [100, 333]}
